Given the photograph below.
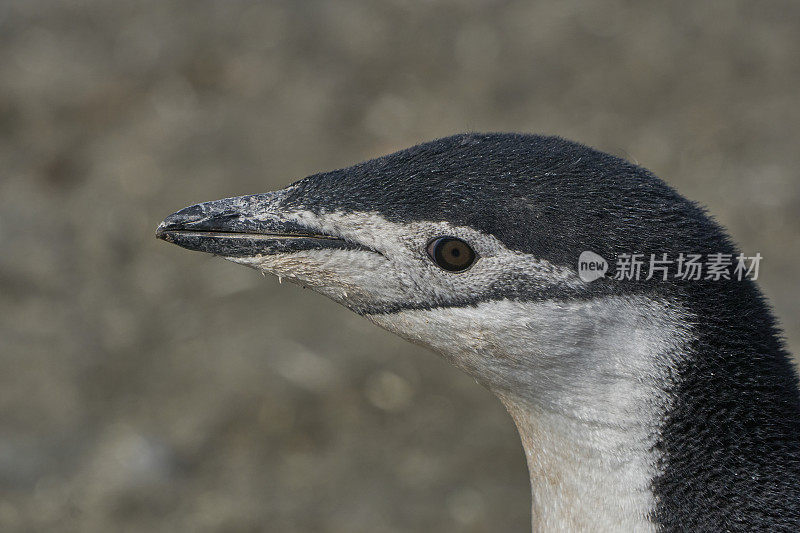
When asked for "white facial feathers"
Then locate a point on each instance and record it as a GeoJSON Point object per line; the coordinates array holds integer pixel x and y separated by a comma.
{"type": "Point", "coordinates": [401, 274]}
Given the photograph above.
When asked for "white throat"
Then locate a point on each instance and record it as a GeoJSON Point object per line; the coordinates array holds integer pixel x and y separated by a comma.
{"type": "Point", "coordinates": [585, 383]}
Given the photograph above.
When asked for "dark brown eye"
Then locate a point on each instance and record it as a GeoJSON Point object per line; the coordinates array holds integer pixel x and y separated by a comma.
{"type": "Point", "coordinates": [451, 254]}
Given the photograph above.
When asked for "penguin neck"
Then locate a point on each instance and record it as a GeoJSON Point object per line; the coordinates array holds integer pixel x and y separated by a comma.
{"type": "Point", "coordinates": [633, 408]}
{"type": "Point", "coordinates": [590, 408]}
{"type": "Point", "coordinates": [637, 414]}
{"type": "Point", "coordinates": [584, 475]}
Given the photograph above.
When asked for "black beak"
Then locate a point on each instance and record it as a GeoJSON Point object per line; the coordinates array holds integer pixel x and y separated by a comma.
{"type": "Point", "coordinates": [244, 226]}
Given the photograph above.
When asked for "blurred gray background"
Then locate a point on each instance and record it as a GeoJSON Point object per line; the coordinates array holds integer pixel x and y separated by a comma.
{"type": "Point", "coordinates": [147, 388]}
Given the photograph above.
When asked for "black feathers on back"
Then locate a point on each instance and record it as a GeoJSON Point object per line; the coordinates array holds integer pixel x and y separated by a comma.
{"type": "Point", "coordinates": [731, 442]}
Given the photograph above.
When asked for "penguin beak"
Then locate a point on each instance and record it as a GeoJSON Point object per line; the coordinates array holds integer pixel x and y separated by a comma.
{"type": "Point", "coordinates": [244, 226]}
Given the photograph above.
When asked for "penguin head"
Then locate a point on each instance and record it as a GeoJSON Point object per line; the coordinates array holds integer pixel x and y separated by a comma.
{"type": "Point", "coordinates": [472, 234]}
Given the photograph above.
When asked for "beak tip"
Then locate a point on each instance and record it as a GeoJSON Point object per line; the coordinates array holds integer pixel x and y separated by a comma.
{"type": "Point", "coordinates": [161, 232]}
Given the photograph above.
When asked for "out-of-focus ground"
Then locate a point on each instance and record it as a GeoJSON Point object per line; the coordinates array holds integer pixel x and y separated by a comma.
{"type": "Point", "coordinates": [147, 388]}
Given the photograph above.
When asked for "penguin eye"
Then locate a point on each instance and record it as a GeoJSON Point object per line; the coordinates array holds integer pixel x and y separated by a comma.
{"type": "Point", "coordinates": [451, 254]}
